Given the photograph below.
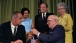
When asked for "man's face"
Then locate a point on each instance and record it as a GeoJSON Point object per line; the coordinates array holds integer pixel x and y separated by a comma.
{"type": "Point", "coordinates": [26, 13]}
{"type": "Point", "coordinates": [50, 21]}
{"type": "Point", "coordinates": [43, 8]}
{"type": "Point", "coordinates": [18, 19]}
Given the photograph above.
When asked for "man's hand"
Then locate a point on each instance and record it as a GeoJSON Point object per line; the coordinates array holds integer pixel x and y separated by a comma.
{"type": "Point", "coordinates": [17, 41]}
{"type": "Point", "coordinates": [30, 35]}
{"type": "Point", "coordinates": [36, 41]}
{"type": "Point", "coordinates": [34, 31]}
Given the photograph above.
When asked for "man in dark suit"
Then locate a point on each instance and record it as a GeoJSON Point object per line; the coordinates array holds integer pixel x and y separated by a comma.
{"type": "Point", "coordinates": [13, 31]}
{"type": "Point", "coordinates": [56, 34]}
{"type": "Point", "coordinates": [41, 18]}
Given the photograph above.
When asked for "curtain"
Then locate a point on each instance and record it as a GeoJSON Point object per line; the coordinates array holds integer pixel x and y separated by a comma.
{"type": "Point", "coordinates": [7, 7]}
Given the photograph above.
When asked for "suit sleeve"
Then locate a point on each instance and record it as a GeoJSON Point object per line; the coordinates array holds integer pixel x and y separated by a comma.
{"type": "Point", "coordinates": [3, 36]}
{"type": "Point", "coordinates": [36, 25]}
{"type": "Point", "coordinates": [69, 24]}
{"type": "Point", "coordinates": [24, 35]}
{"type": "Point", "coordinates": [55, 35]}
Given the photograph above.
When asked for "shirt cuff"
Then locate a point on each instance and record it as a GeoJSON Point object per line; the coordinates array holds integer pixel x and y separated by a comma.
{"type": "Point", "coordinates": [38, 34]}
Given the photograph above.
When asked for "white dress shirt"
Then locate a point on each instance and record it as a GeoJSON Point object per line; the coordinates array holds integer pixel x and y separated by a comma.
{"type": "Point", "coordinates": [13, 27]}
{"type": "Point", "coordinates": [38, 34]}
{"type": "Point", "coordinates": [44, 14]}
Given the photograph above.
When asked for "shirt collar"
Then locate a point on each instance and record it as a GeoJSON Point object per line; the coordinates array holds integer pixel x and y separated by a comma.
{"type": "Point", "coordinates": [12, 26]}
{"type": "Point", "coordinates": [44, 14]}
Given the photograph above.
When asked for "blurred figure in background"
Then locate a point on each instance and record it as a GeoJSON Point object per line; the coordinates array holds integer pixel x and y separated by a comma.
{"type": "Point", "coordinates": [66, 21]}
{"type": "Point", "coordinates": [27, 23]}
{"type": "Point", "coordinates": [41, 19]}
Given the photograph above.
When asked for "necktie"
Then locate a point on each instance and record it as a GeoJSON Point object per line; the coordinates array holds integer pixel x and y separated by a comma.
{"type": "Point", "coordinates": [43, 16]}
{"type": "Point", "coordinates": [14, 31]}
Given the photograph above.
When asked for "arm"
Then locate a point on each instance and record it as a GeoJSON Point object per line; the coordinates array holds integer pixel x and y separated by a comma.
{"type": "Point", "coordinates": [3, 36]}
{"type": "Point", "coordinates": [36, 24]}
{"type": "Point", "coordinates": [55, 35]}
{"type": "Point", "coordinates": [69, 24]}
{"type": "Point", "coordinates": [24, 36]}
{"type": "Point", "coordinates": [33, 25]}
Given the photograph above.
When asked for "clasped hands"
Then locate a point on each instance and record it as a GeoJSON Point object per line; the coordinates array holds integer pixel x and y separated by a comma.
{"type": "Point", "coordinates": [35, 32]}
{"type": "Point", "coordinates": [31, 35]}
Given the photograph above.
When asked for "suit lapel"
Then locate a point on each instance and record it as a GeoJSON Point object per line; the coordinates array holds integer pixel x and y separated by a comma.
{"type": "Point", "coordinates": [41, 16]}
{"type": "Point", "coordinates": [17, 33]}
{"type": "Point", "coordinates": [9, 30]}
{"type": "Point", "coordinates": [46, 15]}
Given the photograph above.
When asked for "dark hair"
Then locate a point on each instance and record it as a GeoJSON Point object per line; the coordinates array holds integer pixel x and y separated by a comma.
{"type": "Point", "coordinates": [45, 4]}
{"type": "Point", "coordinates": [15, 13]}
{"type": "Point", "coordinates": [24, 9]}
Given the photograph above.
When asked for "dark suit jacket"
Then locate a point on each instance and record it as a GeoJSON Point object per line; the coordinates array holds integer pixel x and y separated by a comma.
{"type": "Point", "coordinates": [40, 24]}
{"type": "Point", "coordinates": [6, 35]}
{"type": "Point", "coordinates": [57, 35]}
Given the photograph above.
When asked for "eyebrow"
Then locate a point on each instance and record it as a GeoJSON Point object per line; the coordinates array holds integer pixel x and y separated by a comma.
{"type": "Point", "coordinates": [49, 20]}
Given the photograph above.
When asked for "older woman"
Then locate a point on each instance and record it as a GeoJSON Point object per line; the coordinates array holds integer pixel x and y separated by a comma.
{"type": "Point", "coordinates": [65, 20]}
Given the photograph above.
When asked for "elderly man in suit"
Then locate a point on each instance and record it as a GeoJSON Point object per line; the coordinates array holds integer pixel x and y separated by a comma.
{"type": "Point", "coordinates": [13, 31]}
{"type": "Point", "coordinates": [56, 33]}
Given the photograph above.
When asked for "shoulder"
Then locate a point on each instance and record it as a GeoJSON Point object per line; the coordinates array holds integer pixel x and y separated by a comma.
{"type": "Point", "coordinates": [5, 24]}
{"type": "Point", "coordinates": [21, 27]}
{"type": "Point", "coordinates": [59, 27]}
{"type": "Point", "coordinates": [29, 20]}
{"type": "Point", "coordinates": [68, 15]}
{"type": "Point", "coordinates": [37, 16]}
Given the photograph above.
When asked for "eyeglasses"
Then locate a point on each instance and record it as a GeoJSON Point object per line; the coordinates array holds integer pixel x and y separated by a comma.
{"type": "Point", "coordinates": [48, 20]}
{"type": "Point", "coordinates": [60, 8]}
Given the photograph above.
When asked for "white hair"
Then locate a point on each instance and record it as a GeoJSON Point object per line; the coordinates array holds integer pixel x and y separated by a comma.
{"type": "Point", "coordinates": [55, 17]}
{"type": "Point", "coordinates": [63, 4]}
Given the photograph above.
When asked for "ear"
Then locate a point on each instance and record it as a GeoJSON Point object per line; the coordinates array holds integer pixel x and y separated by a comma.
{"type": "Point", "coordinates": [14, 19]}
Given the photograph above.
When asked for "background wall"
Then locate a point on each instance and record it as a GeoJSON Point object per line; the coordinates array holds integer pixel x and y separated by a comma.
{"type": "Point", "coordinates": [9, 6]}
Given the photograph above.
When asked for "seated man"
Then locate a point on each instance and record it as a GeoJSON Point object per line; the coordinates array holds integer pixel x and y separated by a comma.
{"type": "Point", "coordinates": [56, 33]}
{"type": "Point", "coordinates": [13, 31]}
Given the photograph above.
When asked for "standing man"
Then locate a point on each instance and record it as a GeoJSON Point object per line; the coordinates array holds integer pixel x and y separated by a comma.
{"type": "Point", "coordinates": [56, 34]}
{"type": "Point", "coordinates": [13, 31]}
{"type": "Point", "coordinates": [41, 19]}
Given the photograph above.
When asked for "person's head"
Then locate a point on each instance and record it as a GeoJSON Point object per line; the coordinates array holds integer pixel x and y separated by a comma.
{"type": "Point", "coordinates": [16, 18]}
{"type": "Point", "coordinates": [43, 7]}
{"type": "Point", "coordinates": [25, 12]}
{"type": "Point", "coordinates": [62, 8]}
{"type": "Point", "coordinates": [52, 21]}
